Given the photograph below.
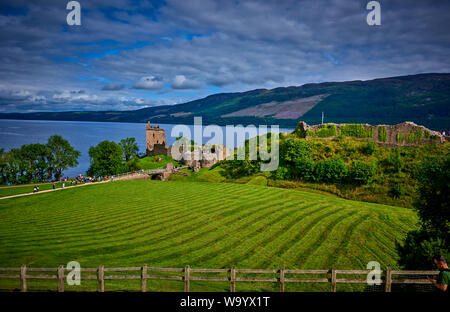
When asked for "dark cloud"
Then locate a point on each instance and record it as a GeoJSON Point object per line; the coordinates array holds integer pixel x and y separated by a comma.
{"type": "Point", "coordinates": [198, 44]}
{"type": "Point", "coordinates": [113, 87]}
{"type": "Point", "coordinates": [149, 83]}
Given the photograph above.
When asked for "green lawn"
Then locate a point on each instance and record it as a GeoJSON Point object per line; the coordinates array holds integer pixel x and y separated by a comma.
{"type": "Point", "coordinates": [151, 162]}
{"type": "Point", "coordinates": [205, 225]}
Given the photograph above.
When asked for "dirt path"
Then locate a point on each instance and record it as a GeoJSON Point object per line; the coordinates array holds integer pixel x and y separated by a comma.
{"type": "Point", "coordinates": [25, 185]}
{"type": "Point", "coordinates": [51, 190]}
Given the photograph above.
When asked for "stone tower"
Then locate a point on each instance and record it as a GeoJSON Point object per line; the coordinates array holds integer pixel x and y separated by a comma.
{"type": "Point", "coordinates": [156, 143]}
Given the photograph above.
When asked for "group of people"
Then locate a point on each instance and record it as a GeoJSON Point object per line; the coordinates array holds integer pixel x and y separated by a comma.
{"type": "Point", "coordinates": [80, 179]}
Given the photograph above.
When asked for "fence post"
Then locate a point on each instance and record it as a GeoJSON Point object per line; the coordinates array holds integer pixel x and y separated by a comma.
{"type": "Point", "coordinates": [233, 279]}
{"type": "Point", "coordinates": [101, 278]}
{"type": "Point", "coordinates": [144, 278]}
{"type": "Point", "coordinates": [186, 278]}
{"type": "Point", "coordinates": [388, 279]}
{"type": "Point", "coordinates": [282, 279]}
{"type": "Point", "coordinates": [23, 278]}
{"type": "Point", "coordinates": [333, 279]}
{"type": "Point", "coordinates": [61, 279]}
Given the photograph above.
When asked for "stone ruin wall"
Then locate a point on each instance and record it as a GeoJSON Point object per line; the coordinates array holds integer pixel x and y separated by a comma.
{"type": "Point", "coordinates": [204, 156]}
{"type": "Point", "coordinates": [393, 133]}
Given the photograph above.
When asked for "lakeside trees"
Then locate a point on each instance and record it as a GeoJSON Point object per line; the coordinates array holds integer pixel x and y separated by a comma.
{"type": "Point", "coordinates": [106, 159]}
{"type": "Point", "coordinates": [37, 162]}
{"type": "Point", "coordinates": [110, 158]}
{"type": "Point", "coordinates": [61, 155]}
{"type": "Point", "coordinates": [129, 147]}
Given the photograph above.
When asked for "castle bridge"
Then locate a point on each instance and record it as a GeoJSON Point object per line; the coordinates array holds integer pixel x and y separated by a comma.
{"type": "Point", "coordinates": [157, 174]}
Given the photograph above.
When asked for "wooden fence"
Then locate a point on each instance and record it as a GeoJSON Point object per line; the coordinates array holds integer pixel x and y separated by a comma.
{"type": "Point", "coordinates": [184, 274]}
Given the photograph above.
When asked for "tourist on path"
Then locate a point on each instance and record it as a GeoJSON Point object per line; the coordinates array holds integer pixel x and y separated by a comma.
{"type": "Point", "coordinates": [443, 278]}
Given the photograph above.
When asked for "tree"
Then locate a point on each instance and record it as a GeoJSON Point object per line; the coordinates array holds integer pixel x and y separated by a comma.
{"type": "Point", "coordinates": [35, 157]}
{"type": "Point", "coordinates": [61, 156]}
{"type": "Point", "coordinates": [433, 206]}
{"type": "Point", "coordinates": [106, 159]}
{"type": "Point", "coordinates": [130, 148]}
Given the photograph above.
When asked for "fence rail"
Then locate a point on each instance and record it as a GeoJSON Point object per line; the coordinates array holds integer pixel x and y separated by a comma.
{"type": "Point", "coordinates": [280, 276]}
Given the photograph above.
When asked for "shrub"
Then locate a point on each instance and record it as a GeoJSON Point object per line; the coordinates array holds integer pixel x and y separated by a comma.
{"type": "Point", "coordinates": [282, 173]}
{"type": "Point", "coordinates": [397, 190]}
{"type": "Point", "coordinates": [399, 137]}
{"type": "Point", "coordinates": [414, 136]}
{"type": "Point", "coordinates": [370, 148]}
{"type": "Point", "coordinates": [361, 172]}
{"type": "Point", "coordinates": [356, 130]}
{"type": "Point", "coordinates": [291, 150]}
{"type": "Point", "coordinates": [333, 170]}
{"type": "Point", "coordinates": [382, 134]}
{"type": "Point", "coordinates": [304, 168]}
{"type": "Point", "coordinates": [233, 169]}
{"type": "Point", "coordinates": [393, 162]}
{"type": "Point", "coordinates": [326, 131]}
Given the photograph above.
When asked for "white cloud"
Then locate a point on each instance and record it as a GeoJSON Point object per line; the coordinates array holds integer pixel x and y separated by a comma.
{"type": "Point", "coordinates": [181, 82]}
{"type": "Point", "coordinates": [149, 83]}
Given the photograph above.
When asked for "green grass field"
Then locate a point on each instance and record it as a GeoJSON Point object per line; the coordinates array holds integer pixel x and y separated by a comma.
{"type": "Point", "coordinates": [205, 225]}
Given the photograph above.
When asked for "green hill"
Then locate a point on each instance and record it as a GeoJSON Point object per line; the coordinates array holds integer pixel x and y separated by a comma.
{"type": "Point", "coordinates": [205, 225]}
{"type": "Point", "coordinates": [422, 98]}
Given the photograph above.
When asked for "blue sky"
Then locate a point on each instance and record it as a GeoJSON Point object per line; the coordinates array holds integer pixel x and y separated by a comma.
{"type": "Point", "coordinates": [135, 54]}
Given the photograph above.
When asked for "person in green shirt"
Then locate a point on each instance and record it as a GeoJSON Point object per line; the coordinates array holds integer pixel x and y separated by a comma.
{"type": "Point", "coordinates": [444, 275]}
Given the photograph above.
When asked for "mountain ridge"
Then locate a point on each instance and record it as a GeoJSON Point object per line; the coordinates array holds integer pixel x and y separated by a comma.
{"type": "Point", "coordinates": [422, 98]}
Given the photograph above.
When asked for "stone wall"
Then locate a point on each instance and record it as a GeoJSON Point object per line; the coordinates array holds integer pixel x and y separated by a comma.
{"type": "Point", "coordinates": [403, 134]}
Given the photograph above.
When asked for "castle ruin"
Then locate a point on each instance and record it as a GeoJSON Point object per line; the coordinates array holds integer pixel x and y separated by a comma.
{"type": "Point", "coordinates": [156, 143]}
{"type": "Point", "coordinates": [201, 157]}
{"type": "Point", "coordinates": [403, 134]}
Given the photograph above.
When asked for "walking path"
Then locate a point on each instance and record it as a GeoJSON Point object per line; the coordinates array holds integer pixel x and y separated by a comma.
{"type": "Point", "coordinates": [52, 190]}
{"type": "Point", "coordinates": [124, 176]}
{"type": "Point", "coordinates": [24, 185]}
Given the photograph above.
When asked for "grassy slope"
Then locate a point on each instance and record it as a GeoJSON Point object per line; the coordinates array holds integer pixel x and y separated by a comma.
{"type": "Point", "coordinates": [205, 225]}
{"type": "Point", "coordinates": [150, 162]}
